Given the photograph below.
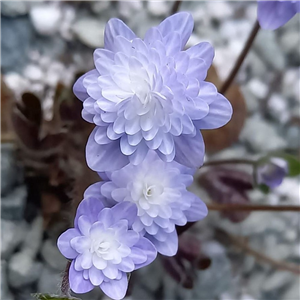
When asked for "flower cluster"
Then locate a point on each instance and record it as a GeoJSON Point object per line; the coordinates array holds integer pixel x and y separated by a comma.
{"type": "Point", "coordinates": [274, 14]}
{"type": "Point", "coordinates": [148, 99]}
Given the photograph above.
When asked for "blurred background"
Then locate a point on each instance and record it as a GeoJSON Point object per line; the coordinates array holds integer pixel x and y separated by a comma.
{"type": "Point", "coordinates": [235, 255]}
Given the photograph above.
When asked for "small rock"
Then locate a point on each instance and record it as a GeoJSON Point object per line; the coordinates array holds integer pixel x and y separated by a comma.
{"type": "Point", "coordinates": [266, 43]}
{"type": "Point", "coordinates": [252, 101]}
{"type": "Point", "coordinates": [23, 270]}
{"type": "Point", "coordinates": [12, 235]}
{"type": "Point", "coordinates": [291, 83]}
{"type": "Point", "coordinates": [277, 280]}
{"type": "Point", "coordinates": [293, 291]}
{"type": "Point", "coordinates": [49, 281]}
{"type": "Point", "coordinates": [14, 8]}
{"type": "Point", "coordinates": [52, 256]}
{"type": "Point", "coordinates": [290, 41]}
{"type": "Point", "coordinates": [255, 284]}
{"type": "Point", "coordinates": [292, 137]}
{"type": "Point", "coordinates": [5, 292]}
{"type": "Point", "coordinates": [278, 108]}
{"type": "Point", "coordinates": [219, 10]}
{"type": "Point", "coordinates": [16, 36]}
{"type": "Point", "coordinates": [69, 15]}
{"type": "Point", "coordinates": [100, 6]}
{"type": "Point", "coordinates": [46, 18]}
{"type": "Point", "coordinates": [127, 9]}
{"type": "Point", "coordinates": [11, 174]}
{"type": "Point", "coordinates": [261, 136]}
{"type": "Point", "coordinates": [13, 204]}
{"type": "Point", "coordinates": [33, 72]}
{"type": "Point", "coordinates": [258, 88]}
{"type": "Point", "coordinates": [25, 293]}
{"type": "Point", "coordinates": [54, 73]}
{"type": "Point", "coordinates": [90, 32]}
{"type": "Point", "coordinates": [289, 190]}
{"type": "Point", "coordinates": [158, 8]}
{"type": "Point", "coordinates": [19, 85]}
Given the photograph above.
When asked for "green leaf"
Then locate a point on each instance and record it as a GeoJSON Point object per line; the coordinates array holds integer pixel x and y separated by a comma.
{"type": "Point", "coordinates": [52, 297]}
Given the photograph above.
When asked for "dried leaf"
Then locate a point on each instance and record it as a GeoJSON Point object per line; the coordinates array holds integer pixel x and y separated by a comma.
{"type": "Point", "coordinates": [31, 108]}
{"type": "Point", "coordinates": [184, 264]}
{"type": "Point", "coordinates": [7, 98]}
{"type": "Point", "coordinates": [218, 139]}
{"type": "Point", "coordinates": [227, 186]}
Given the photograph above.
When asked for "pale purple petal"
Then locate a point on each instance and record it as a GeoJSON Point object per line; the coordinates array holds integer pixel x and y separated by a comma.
{"type": "Point", "coordinates": [78, 284]}
{"type": "Point", "coordinates": [63, 243]}
{"type": "Point", "coordinates": [91, 206]}
{"type": "Point", "coordinates": [107, 157]}
{"type": "Point", "coordinates": [78, 89]}
{"type": "Point", "coordinates": [115, 289]}
{"type": "Point", "coordinates": [274, 14]}
{"type": "Point", "coordinates": [115, 27]}
{"type": "Point", "coordinates": [147, 248]}
{"type": "Point", "coordinates": [220, 113]}
{"type": "Point", "coordinates": [96, 276]}
{"type": "Point", "coordinates": [124, 210]}
{"type": "Point", "coordinates": [168, 247]}
{"type": "Point", "coordinates": [181, 22]}
{"type": "Point", "coordinates": [198, 209]}
{"type": "Point", "coordinates": [189, 150]}
{"type": "Point", "coordinates": [202, 50]}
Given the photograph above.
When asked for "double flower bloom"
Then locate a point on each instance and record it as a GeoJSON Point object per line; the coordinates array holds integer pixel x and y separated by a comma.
{"type": "Point", "coordinates": [149, 101]}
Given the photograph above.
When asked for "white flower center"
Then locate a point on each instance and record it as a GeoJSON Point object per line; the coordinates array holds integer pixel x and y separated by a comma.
{"type": "Point", "coordinates": [151, 192]}
{"type": "Point", "coordinates": [103, 246]}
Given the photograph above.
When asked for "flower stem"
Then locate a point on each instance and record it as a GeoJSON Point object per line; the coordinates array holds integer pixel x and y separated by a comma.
{"type": "Point", "coordinates": [240, 59]}
{"type": "Point", "coordinates": [229, 161]}
{"type": "Point", "coordinates": [250, 207]}
{"type": "Point", "coordinates": [65, 286]}
{"type": "Point", "coordinates": [175, 7]}
{"type": "Point", "coordinates": [243, 245]}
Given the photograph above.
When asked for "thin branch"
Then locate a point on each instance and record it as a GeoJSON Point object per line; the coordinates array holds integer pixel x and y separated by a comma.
{"type": "Point", "coordinates": [240, 59]}
{"type": "Point", "coordinates": [251, 207]}
{"type": "Point", "coordinates": [229, 161]}
{"type": "Point", "coordinates": [175, 7]}
{"type": "Point", "coordinates": [280, 265]}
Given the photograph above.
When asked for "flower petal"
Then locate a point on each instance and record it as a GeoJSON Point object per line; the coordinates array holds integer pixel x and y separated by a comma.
{"type": "Point", "coordinates": [115, 289]}
{"type": "Point", "coordinates": [64, 245]}
{"type": "Point", "coordinates": [181, 22]}
{"type": "Point", "coordinates": [189, 150]}
{"type": "Point", "coordinates": [147, 249]}
{"type": "Point", "coordinates": [107, 157]}
{"type": "Point", "coordinates": [77, 283]}
{"type": "Point", "coordinates": [273, 14]}
{"type": "Point", "coordinates": [197, 211]}
{"type": "Point", "coordinates": [116, 27]}
{"type": "Point", "coordinates": [220, 112]}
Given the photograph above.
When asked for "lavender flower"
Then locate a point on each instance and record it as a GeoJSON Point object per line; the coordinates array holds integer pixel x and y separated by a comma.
{"type": "Point", "coordinates": [158, 190]}
{"type": "Point", "coordinates": [273, 14]}
{"type": "Point", "coordinates": [150, 95]}
{"type": "Point", "coordinates": [272, 172]}
{"type": "Point", "coordinates": [103, 247]}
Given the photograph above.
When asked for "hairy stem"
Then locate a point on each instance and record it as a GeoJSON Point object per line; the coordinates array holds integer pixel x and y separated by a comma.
{"type": "Point", "coordinates": [251, 207]}
{"type": "Point", "coordinates": [175, 7]}
{"type": "Point", "coordinates": [240, 59]}
{"type": "Point", "coordinates": [229, 161]}
{"type": "Point", "coordinates": [65, 286]}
